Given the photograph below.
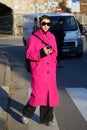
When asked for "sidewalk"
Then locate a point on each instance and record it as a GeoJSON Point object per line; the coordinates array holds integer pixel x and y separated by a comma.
{"type": "Point", "coordinates": [16, 101]}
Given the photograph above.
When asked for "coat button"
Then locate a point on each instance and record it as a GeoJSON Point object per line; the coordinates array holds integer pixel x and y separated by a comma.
{"type": "Point", "coordinates": [48, 72]}
{"type": "Point", "coordinates": [47, 63]}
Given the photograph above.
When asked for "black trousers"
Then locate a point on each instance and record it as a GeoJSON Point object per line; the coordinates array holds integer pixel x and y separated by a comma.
{"type": "Point", "coordinates": [46, 112]}
{"type": "Point", "coordinates": [59, 48]}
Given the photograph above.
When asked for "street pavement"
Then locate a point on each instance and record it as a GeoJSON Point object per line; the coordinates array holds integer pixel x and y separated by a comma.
{"type": "Point", "coordinates": [8, 121]}
{"type": "Point", "coordinates": [15, 81]}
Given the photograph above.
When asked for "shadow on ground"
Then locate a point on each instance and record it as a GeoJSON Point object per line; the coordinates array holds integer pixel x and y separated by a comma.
{"type": "Point", "coordinates": [13, 107]}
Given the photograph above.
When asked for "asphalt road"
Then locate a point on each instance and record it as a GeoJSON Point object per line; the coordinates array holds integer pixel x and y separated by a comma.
{"type": "Point", "coordinates": [71, 80]}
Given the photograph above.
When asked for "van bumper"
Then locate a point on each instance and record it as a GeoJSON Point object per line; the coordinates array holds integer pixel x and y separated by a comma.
{"type": "Point", "coordinates": [74, 46]}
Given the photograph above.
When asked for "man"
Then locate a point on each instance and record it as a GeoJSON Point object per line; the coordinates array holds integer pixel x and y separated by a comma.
{"type": "Point", "coordinates": [58, 31]}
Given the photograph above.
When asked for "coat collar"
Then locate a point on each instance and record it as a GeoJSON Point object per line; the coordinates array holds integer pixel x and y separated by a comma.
{"type": "Point", "coordinates": [42, 32]}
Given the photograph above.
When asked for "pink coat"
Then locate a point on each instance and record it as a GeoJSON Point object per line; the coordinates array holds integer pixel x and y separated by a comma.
{"type": "Point", "coordinates": [43, 78]}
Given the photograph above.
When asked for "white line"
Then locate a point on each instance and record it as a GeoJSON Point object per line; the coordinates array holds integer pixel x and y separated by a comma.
{"type": "Point", "coordinates": [79, 96]}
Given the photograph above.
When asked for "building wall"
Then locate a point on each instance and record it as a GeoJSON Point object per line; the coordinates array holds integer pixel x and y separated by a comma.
{"type": "Point", "coordinates": [21, 7]}
{"type": "Point", "coordinates": [82, 16]}
{"type": "Point", "coordinates": [83, 6]}
{"type": "Point", "coordinates": [31, 6]}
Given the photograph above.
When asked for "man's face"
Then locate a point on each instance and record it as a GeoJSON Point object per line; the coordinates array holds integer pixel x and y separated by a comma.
{"type": "Point", "coordinates": [61, 22]}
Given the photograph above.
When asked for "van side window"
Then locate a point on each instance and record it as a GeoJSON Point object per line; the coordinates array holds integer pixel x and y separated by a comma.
{"type": "Point", "coordinates": [35, 25]}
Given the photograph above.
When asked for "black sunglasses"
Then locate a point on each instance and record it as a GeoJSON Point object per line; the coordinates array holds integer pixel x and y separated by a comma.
{"type": "Point", "coordinates": [44, 23]}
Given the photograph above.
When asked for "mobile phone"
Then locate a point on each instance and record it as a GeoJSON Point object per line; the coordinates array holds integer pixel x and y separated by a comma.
{"type": "Point", "coordinates": [49, 47]}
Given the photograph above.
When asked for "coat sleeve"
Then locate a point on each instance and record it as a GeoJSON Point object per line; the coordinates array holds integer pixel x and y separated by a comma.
{"type": "Point", "coordinates": [33, 52]}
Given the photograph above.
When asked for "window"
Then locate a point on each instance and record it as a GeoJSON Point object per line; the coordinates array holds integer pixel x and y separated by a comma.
{"type": "Point", "coordinates": [69, 22]}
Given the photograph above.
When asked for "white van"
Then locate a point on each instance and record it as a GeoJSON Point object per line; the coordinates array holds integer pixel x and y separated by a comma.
{"type": "Point", "coordinates": [73, 42]}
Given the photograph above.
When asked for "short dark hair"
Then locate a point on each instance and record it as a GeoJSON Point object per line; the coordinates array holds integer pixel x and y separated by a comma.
{"type": "Point", "coordinates": [44, 17]}
{"type": "Point", "coordinates": [61, 19]}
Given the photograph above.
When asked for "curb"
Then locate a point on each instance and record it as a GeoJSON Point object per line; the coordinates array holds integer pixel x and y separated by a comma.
{"type": "Point", "coordinates": [9, 36]}
{"type": "Point", "coordinates": [7, 72]}
{"type": "Point", "coordinates": [4, 91]}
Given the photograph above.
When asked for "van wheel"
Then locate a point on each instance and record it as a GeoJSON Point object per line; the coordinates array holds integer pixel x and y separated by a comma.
{"type": "Point", "coordinates": [79, 55]}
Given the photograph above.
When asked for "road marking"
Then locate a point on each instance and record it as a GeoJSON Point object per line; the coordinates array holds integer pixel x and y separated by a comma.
{"type": "Point", "coordinates": [79, 97]}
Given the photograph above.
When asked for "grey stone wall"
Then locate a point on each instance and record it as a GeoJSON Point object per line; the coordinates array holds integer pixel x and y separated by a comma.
{"type": "Point", "coordinates": [21, 7]}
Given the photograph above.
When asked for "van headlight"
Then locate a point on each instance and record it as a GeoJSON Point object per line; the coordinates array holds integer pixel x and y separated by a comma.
{"type": "Point", "coordinates": [78, 34]}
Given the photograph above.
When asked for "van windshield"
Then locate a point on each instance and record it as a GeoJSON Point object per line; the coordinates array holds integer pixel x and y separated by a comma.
{"type": "Point", "coordinates": [69, 22]}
